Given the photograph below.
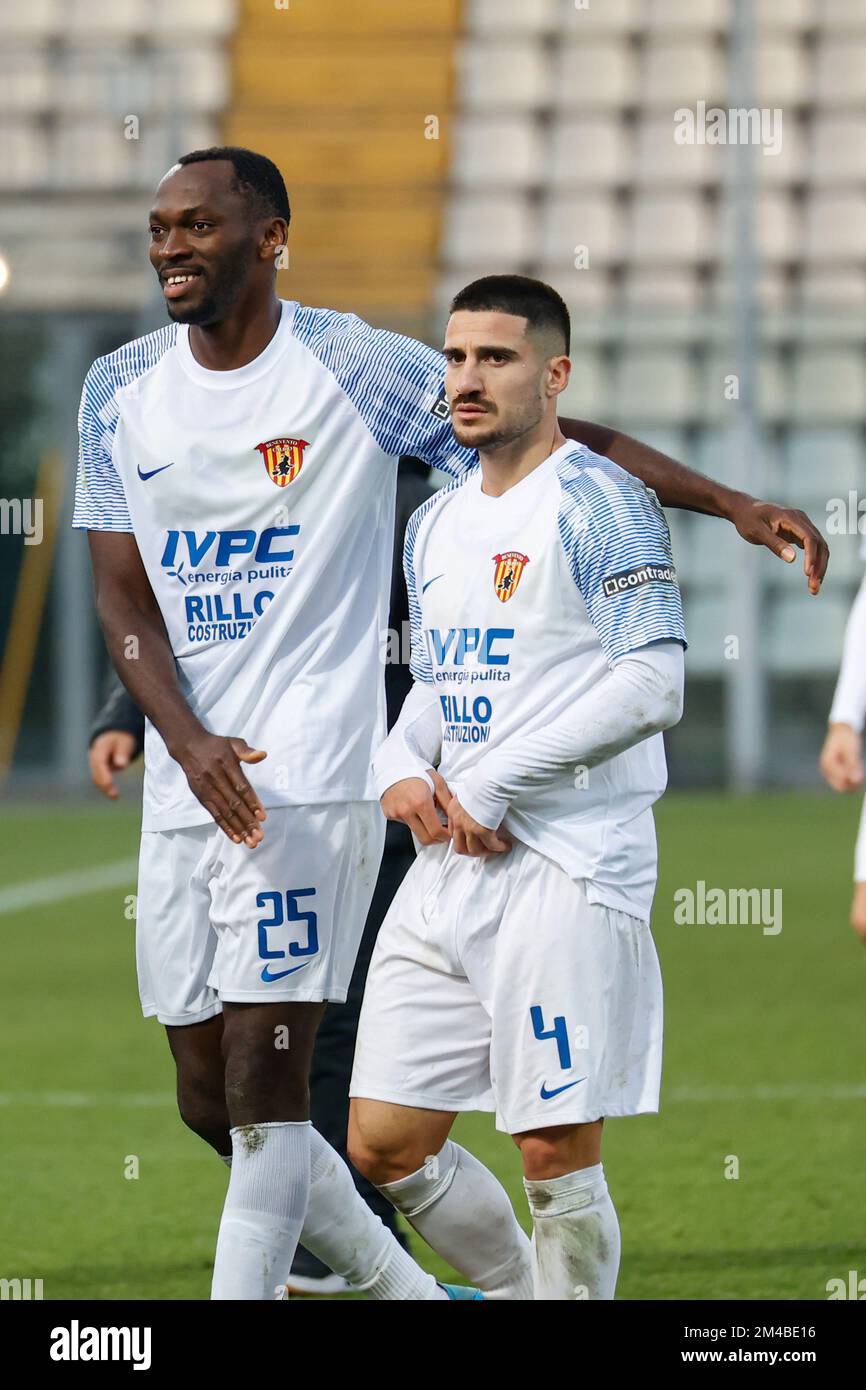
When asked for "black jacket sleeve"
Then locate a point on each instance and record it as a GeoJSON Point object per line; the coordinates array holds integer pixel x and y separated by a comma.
{"type": "Point", "coordinates": [119, 712]}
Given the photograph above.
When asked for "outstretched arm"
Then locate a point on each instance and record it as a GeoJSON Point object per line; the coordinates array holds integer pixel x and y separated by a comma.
{"type": "Point", "coordinates": [760, 523]}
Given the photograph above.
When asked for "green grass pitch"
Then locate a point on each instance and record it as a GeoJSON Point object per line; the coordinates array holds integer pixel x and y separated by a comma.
{"type": "Point", "coordinates": [764, 1061]}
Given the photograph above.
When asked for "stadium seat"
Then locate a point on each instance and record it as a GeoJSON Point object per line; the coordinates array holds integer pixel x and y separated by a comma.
{"type": "Point", "coordinates": [494, 230]}
{"type": "Point", "coordinates": [680, 16]}
{"type": "Point", "coordinates": [839, 71]}
{"type": "Point", "coordinates": [602, 75]}
{"type": "Point", "coordinates": [213, 20]}
{"type": "Point", "coordinates": [505, 76]}
{"type": "Point", "coordinates": [801, 634]}
{"type": "Point", "coordinates": [569, 223]}
{"type": "Point", "coordinates": [829, 385]}
{"type": "Point", "coordinates": [676, 228]}
{"type": "Point", "coordinates": [787, 165]}
{"type": "Point", "coordinates": [587, 393]}
{"type": "Point", "coordinates": [823, 463]}
{"type": "Point", "coordinates": [84, 22]}
{"type": "Point", "coordinates": [593, 21]}
{"type": "Point", "coordinates": [24, 155]}
{"type": "Point", "coordinates": [836, 149]}
{"type": "Point", "coordinates": [776, 227]}
{"type": "Point", "coordinates": [669, 288]}
{"type": "Point", "coordinates": [784, 14]}
{"type": "Point", "coordinates": [782, 75]}
{"type": "Point", "coordinates": [90, 152]}
{"type": "Point", "coordinates": [660, 161]}
{"type": "Point", "coordinates": [843, 290]}
{"type": "Point", "coordinates": [588, 150]}
{"type": "Point", "coordinates": [680, 74]}
{"type": "Point", "coordinates": [25, 81]}
{"type": "Point", "coordinates": [497, 152]}
{"type": "Point", "coordinates": [499, 17]}
{"type": "Point", "coordinates": [34, 21]}
{"type": "Point", "coordinates": [836, 227]}
{"type": "Point", "coordinates": [584, 291]}
{"type": "Point", "coordinates": [655, 385]}
{"type": "Point", "coordinates": [709, 621]}
{"type": "Point", "coordinates": [840, 16]}
{"type": "Point", "coordinates": [718, 398]}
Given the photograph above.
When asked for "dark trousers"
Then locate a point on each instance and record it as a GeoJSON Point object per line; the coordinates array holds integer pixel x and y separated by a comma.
{"type": "Point", "coordinates": [335, 1044]}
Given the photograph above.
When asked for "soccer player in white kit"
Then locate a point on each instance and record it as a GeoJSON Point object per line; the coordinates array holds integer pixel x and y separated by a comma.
{"type": "Point", "coordinates": [515, 970]}
{"type": "Point", "coordinates": [842, 754]}
{"type": "Point", "coordinates": [237, 483]}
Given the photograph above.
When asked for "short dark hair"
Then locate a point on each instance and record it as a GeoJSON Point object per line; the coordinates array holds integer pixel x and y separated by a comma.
{"type": "Point", "coordinates": [257, 178]}
{"type": "Point", "coordinates": [532, 300]}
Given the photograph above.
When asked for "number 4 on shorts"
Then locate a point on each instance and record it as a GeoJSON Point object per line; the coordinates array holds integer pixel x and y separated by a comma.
{"type": "Point", "coordinates": [558, 1031]}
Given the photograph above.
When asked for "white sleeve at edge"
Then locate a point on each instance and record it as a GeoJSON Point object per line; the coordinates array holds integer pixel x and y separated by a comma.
{"type": "Point", "coordinates": [849, 701]}
{"type": "Point", "coordinates": [414, 743]}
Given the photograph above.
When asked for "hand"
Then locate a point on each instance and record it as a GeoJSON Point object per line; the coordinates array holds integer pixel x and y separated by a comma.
{"type": "Point", "coordinates": [109, 752]}
{"type": "Point", "coordinates": [213, 769]}
{"type": "Point", "coordinates": [780, 529]}
{"type": "Point", "coordinates": [471, 838]}
{"type": "Point", "coordinates": [412, 802]}
{"type": "Point", "coordinates": [841, 758]}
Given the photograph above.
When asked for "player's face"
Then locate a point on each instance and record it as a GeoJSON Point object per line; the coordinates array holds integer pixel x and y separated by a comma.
{"type": "Point", "coordinates": [495, 378]}
{"type": "Point", "coordinates": [204, 243]}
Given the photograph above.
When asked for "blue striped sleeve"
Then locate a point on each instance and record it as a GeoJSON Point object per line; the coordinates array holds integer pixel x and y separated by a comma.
{"type": "Point", "coordinates": [618, 547]}
{"type": "Point", "coordinates": [100, 501]}
{"type": "Point", "coordinates": [396, 384]}
{"type": "Point", "coordinates": [419, 660]}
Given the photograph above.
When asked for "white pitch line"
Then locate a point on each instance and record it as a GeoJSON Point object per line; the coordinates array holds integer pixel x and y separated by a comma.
{"type": "Point", "coordinates": [147, 1100]}
{"type": "Point", "coordinates": [77, 883]}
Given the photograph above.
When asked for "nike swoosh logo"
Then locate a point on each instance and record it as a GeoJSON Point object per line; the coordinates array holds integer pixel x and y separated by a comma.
{"type": "Point", "coordinates": [432, 581]}
{"type": "Point", "coordinates": [269, 978]}
{"type": "Point", "coordinates": [144, 476]}
{"type": "Point", "coordinates": [557, 1090]}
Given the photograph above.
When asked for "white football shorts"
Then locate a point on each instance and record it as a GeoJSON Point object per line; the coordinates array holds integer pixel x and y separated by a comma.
{"type": "Point", "coordinates": [218, 921]}
{"type": "Point", "coordinates": [496, 985]}
{"type": "Point", "coordinates": [860, 851]}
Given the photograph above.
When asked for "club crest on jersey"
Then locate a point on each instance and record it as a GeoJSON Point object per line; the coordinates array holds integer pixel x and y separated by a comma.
{"type": "Point", "coordinates": [506, 577]}
{"type": "Point", "coordinates": [283, 459]}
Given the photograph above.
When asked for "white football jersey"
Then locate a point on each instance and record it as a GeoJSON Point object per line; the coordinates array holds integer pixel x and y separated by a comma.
{"type": "Point", "coordinates": [262, 502]}
{"type": "Point", "coordinates": [520, 604]}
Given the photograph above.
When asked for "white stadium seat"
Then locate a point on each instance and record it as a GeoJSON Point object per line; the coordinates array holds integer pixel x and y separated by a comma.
{"type": "Point", "coordinates": [587, 394]}
{"type": "Point", "coordinates": [839, 16]}
{"type": "Point", "coordinates": [595, 74]}
{"type": "Point", "coordinates": [25, 81]}
{"type": "Point", "coordinates": [841, 289]}
{"type": "Point", "coordinates": [709, 621]}
{"type": "Point", "coordinates": [584, 291]}
{"type": "Point", "coordinates": [493, 230]}
{"type": "Point", "coordinates": [34, 20]}
{"type": "Point", "coordinates": [498, 152]}
{"type": "Point", "coordinates": [838, 143]}
{"type": "Point", "coordinates": [24, 155]}
{"type": "Point", "coordinates": [802, 633]}
{"type": "Point", "coordinates": [836, 227]}
{"type": "Point", "coordinates": [591, 20]}
{"type": "Point", "coordinates": [215, 19]}
{"type": "Point", "coordinates": [670, 228]}
{"type": "Point", "coordinates": [659, 159]}
{"type": "Point", "coordinates": [718, 396]}
{"type": "Point", "coordinates": [782, 74]}
{"type": "Point", "coordinates": [506, 76]}
{"type": "Point", "coordinates": [590, 221]}
{"type": "Point", "coordinates": [680, 74]}
{"type": "Point", "coordinates": [666, 288]}
{"type": "Point", "coordinates": [787, 164]}
{"type": "Point", "coordinates": [499, 17]}
{"type": "Point", "coordinates": [841, 71]}
{"type": "Point", "coordinates": [829, 385]}
{"type": "Point", "coordinates": [824, 463]}
{"type": "Point", "coordinates": [784, 14]}
{"type": "Point", "coordinates": [84, 22]}
{"type": "Point", "coordinates": [681, 16]}
{"type": "Point", "coordinates": [588, 150]}
{"type": "Point", "coordinates": [776, 227]}
{"type": "Point", "coordinates": [654, 384]}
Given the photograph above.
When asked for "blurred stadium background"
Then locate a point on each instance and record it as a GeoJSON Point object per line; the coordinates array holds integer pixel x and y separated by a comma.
{"type": "Point", "coordinates": [422, 145]}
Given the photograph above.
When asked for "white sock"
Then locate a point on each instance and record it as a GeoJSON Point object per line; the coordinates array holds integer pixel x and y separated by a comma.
{"type": "Point", "coordinates": [576, 1241]}
{"type": "Point", "coordinates": [264, 1210]}
{"type": "Point", "coordinates": [342, 1231]}
{"type": "Point", "coordinates": [464, 1213]}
